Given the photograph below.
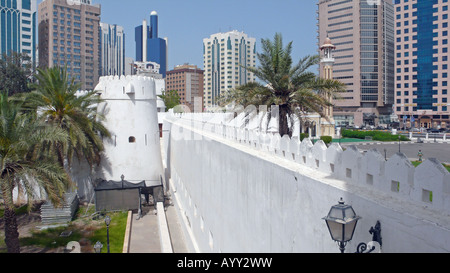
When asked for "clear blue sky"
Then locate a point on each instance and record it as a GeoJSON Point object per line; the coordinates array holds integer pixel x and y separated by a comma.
{"type": "Point", "coordinates": [187, 22]}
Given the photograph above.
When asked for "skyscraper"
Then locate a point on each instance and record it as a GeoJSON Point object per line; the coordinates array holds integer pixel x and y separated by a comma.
{"type": "Point", "coordinates": [363, 32]}
{"type": "Point", "coordinates": [69, 36]}
{"type": "Point", "coordinates": [18, 27]}
{"type": "Point", "coordinates": [422, 61]}
{"type": "Point", "coordinates": [112, 53]}
{"type": "Point", "coordinates": [149, 47]}
{"type": "Point", "coordinates": [225, 56]}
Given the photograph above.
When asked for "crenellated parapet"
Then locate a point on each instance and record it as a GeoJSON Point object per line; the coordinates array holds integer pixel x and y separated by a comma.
{"type": "Point", "coordinates": [130, 87]}
{"type": "Point", "coordinates": [427, 185]}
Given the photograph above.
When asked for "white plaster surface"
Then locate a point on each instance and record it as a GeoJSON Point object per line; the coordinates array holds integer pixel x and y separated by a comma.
{"type": "Point", "coordinates": [242, 193]}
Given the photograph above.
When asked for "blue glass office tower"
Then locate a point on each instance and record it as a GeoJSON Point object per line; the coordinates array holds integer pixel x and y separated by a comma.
{"type": "Point", "coordinates": [422, 44]}
{"type": "Point", "coordinates": [18, 27]}
{"type": "Point", "coordinates": [149, 47]}
{"type": "Point", "coordinates": [425, 54]}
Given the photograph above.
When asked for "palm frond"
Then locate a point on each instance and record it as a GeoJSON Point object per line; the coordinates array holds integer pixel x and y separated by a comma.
{"type": "Point", "coordinates": [296, 89]}
{"type": "Point", "coordinates": [57, 101]}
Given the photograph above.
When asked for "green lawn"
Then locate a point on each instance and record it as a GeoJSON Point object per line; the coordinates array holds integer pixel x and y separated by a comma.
{"type": "Point", "coordinates": [116, 233]}
{"type": "Point", "coordinates": [84, 229]}
{"type": "Point", "coordinates": [346, 140]}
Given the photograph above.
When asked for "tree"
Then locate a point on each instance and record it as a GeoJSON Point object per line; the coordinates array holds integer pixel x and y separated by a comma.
{"type": "Point", "coordinates": [170, 98]}
{"type": "Point", "coordinates": [295, 90]}
{"type": "Point", "coordinates": [56, 100]}
{"type": "Point", "coordinates": [15, 73]}
{"type": "Point", "coordinates": [24, 165]}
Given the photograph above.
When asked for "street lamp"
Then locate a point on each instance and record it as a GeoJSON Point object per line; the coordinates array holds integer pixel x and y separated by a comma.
{"type": "Point", "coordinates": [98, 247]}
{"type": "Point", "coordinates": [107, 222]}
{"type": "Point", "coordinates": [341, 222]}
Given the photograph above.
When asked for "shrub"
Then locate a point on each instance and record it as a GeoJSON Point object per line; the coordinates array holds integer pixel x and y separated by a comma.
{"type": "Point", "coordinates": [326, 139]}
{"type": "Point", "coordinates": [376, 135]}
{"type": "Point", "coordinates": [303, 135]}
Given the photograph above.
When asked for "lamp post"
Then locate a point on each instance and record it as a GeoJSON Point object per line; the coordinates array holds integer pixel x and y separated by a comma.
{"type": "Point", "coordinates": [399, 137]}
{"type": "Point", "coordinates": [98, 247]}
{"type": "Point", "coordinates": [341, 222]}
{"type": "Point", "coordinates": [107, 222]}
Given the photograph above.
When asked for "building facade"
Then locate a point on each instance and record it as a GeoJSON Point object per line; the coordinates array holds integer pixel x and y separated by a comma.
{"type": "Point", "coordinates": [18, 27]}
{"type": "Point", "coordinates": [225, 56]}
{"type": "Point", "coordinates": [112, 44]}
{"type": "Point", "coordinates": [69, 37]}
{"type": "Point", "coordinates": [363, 32]}
{"type": "Point", "coordinates": [149, 47]}
{"type": "Point", "coordinates": [187, 80]}
{"type": "Point", "coordinates": [422, 98]}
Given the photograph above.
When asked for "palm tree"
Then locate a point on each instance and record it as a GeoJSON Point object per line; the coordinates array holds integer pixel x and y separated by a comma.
{"type": "Point", "coordinates": [56, 100]}
{"type": "Point", "coordinates": [294, 89]}
{"type": "Point", "coordinates": [24, 165]}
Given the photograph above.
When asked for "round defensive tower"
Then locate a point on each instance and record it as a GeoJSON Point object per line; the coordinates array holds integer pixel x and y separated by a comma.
{"type": "Point", "coordinates": [130, 108]}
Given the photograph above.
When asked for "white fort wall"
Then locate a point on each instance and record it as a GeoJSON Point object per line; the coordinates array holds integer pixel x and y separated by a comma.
{"type": "Point", "coordinates": [130, 110]}
{"type": "Point", "coordinates": [243, 191]}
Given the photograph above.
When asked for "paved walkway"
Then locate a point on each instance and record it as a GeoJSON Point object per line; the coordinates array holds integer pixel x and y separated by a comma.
{"type": "Point", "coordinates": [145, 233]}
{"type": "Point", "coordinates": [144, 237]}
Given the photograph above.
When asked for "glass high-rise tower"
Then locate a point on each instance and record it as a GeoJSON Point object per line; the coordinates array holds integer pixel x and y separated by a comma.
{"type": "Point", "coordinates": [149, 47]}
{"type": "Point", "coordinates": [18, 27]}
{"type": "Point", "coordinates": [112, 53]}
{"type": "Point", "coordinates": [422, 98]}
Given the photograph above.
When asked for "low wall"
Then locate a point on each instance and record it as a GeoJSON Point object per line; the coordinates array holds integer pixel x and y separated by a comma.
{"type": "Point", "coordinates": [244, 191]}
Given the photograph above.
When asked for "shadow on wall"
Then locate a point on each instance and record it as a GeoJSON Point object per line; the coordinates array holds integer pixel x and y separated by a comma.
{"type": "Point", "coordinates": [84, 176]}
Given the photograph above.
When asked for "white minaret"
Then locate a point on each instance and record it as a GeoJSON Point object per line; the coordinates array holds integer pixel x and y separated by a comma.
{"type": "Point", "coordinates": [327, 60]}
{"type": "Point", "coordinates": [327, 125]}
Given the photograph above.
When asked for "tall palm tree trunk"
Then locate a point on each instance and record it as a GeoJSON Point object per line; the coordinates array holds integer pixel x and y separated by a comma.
{"type": "Point", "coordinates": [283, 121]}
{"type": "Point", "coordinates": [60, 153]}
{"type": "Point", "coordinates": [11, 228]}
